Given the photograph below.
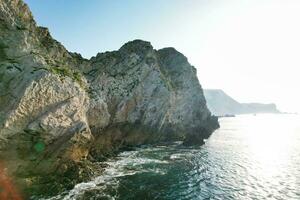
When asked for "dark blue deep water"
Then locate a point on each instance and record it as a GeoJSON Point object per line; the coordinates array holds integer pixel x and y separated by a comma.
{"type": "Point", "coordinates": [249, 157]}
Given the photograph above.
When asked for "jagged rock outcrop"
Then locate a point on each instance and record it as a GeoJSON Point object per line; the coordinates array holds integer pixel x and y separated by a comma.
{"type": "Point", "coordinates": [148, 96]}
{"type": "Point", "coordinates": [57, 108]}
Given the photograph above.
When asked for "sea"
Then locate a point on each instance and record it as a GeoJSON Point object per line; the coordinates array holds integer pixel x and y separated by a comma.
{"type": "Point", "coordinates": [248, 157]}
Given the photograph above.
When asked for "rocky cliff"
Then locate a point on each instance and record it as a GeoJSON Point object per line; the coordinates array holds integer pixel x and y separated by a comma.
{"type": "Point", "coordinates": [59, 111]}
{"type": "Point", "coordinates": [220, 104]}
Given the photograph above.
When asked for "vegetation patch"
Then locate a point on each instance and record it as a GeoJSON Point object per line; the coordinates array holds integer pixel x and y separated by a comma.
{"type": "Point", "coordinates": [2, 52]}
{"type": "Point", "coordinates": [67, 72]}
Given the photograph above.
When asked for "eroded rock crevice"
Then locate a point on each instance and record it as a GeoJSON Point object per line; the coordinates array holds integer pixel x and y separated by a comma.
{"type": "Point", "coordinates": [60, 113]}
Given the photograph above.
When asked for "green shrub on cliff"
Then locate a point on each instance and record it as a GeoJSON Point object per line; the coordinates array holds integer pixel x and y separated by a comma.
{"type": "Point", "coordinates": [67, 72]}
{"type": "Point", "coordinates": [2, 52]}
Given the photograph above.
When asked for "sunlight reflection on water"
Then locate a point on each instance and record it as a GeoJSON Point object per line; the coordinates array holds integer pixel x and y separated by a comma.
{"type": "Point", "coordinates": [270, 153]}
{"type": "Point", "coordinates": [249, 157]}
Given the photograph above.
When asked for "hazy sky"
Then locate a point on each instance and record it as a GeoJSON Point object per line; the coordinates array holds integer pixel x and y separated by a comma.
{"type": "Point", "coordinates": [250, 49]}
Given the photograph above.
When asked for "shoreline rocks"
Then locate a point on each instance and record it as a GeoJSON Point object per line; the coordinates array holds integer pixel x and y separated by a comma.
{"type": "Point", "coordinates": [59, 112]}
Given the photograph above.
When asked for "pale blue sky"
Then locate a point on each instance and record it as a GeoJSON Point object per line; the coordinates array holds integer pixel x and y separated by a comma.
{"type": "Point", "coordinates": [94, 26]}
{"type": "Point", "coordinates": [248, 48]}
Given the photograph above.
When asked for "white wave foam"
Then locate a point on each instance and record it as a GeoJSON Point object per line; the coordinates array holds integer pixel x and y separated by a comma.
{"type": "Point", "coordinates": [125, 164]}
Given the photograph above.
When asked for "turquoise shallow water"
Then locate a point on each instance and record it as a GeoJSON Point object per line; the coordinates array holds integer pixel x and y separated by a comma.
{"type": "Point", "coordinates": [249, 157]}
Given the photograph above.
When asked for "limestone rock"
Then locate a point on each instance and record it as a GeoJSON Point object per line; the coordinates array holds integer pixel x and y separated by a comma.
{"type": "Point", "coordinates": [57, 108]}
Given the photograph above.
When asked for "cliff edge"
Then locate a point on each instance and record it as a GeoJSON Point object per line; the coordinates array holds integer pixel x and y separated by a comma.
{"type": "Point", "coordinates": [59, 111]}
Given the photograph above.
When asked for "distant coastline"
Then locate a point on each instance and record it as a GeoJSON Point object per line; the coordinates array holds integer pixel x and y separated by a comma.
{"type": "Point", "coordinates": [222, 105]}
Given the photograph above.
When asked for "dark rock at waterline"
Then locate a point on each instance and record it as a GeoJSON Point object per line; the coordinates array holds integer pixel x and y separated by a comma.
{"type": "Point", "coordinates": [197, 136]}
{"type": "Point", "coordinates": [58, 109]}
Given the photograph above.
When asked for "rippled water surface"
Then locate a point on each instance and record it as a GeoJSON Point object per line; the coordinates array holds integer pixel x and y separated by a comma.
{"type": "Point", "coordinates": [249, 157]}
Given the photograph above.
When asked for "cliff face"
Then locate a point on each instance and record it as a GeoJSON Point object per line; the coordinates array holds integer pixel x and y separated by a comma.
{"type": "Point", "coordinates": [57, 109]}
{"type": "Point", "coordinates": [147, 95]}
{"type": "Point", "coordinates": [220, 104]}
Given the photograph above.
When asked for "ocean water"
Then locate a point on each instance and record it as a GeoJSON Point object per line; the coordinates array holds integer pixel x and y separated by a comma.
{"type": "Point", "coordinates": [249, 157]}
